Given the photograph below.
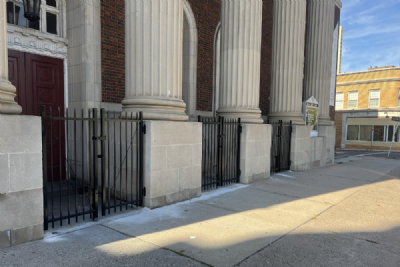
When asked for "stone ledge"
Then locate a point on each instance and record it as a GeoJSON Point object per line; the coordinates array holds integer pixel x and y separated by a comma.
{"type": "Point", "coordinates": [161, 201]}
{"type": "Point", "coordinates": [26, 234]}
{"type": "Point", "coordinates": [254, 178]}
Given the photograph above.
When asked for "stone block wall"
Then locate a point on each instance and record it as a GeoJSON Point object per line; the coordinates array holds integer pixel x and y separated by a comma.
{"type": "Point", "coordinates": [255, 152]}
{"type": "Point", "coordinates": [172, 162]}
{"type": "Point", "coordinates": [309, 153]}
{"type": "Point", "coordinates": [21, 182]}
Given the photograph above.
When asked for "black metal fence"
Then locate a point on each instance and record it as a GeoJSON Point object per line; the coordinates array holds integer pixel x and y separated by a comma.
{"type": "Point", "coordinates": [77, 174]}
{"type": "Point", "coordinates": [280, 146]}
{"type": "Point", "coordinates": [220, 151]}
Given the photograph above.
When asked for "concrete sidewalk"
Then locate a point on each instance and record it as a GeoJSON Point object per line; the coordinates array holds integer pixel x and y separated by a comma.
{"type": "Point", "coordinates": [343, 215]}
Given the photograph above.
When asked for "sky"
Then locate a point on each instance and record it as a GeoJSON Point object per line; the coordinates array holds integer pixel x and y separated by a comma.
{"type": "Point", "coordinates": [371, 34]}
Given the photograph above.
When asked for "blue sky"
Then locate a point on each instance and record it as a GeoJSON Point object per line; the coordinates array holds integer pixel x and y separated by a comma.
{"type": "Point", "coordinates": [371, 34]}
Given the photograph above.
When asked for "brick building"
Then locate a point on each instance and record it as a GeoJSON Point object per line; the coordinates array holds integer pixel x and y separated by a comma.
{"type": "Point", "coordinates": [365, 103]}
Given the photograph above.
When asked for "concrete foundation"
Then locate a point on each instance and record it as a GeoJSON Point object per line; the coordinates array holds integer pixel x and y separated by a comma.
{"type": "Point", "coordinates": [21, 193]}
{"type": "Point", "coordinates": [255, 152]}
{"type": "Point", "coordinates": [172, 162]}
{"type": "Point", "coordinates": [312, 152]}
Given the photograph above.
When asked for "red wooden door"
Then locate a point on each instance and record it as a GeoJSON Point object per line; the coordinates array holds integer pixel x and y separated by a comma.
{"type": "Point", "coordinates": [44, 83]}
{"type": "Point", "coordinates": [40, 81]}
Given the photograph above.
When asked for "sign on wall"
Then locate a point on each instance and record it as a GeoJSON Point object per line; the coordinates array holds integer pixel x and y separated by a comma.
{"type": "Point", "coordinates": [310, 108]}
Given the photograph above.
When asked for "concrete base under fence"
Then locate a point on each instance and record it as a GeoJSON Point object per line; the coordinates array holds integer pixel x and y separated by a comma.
{"type": "Point", "coordinates": [255, 152]}
{"type": "Point", "coordinates": [172, 162]}
{"type": "Point", "coordinates": [312, 152]}
{"type": "Point", "coordinates": [21, 194]}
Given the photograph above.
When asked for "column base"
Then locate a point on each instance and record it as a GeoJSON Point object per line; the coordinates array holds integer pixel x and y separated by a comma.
{"type": "Point", "coordinates": [7, 95]}
{"type": "Point", "coordinates": [246, 115]}
{"type": "Point", "coordinates": [156, 108]}
{"type": "Point", "coordinates": [296, 118]}
{"type": "Point", "coordinates": [325, 121]}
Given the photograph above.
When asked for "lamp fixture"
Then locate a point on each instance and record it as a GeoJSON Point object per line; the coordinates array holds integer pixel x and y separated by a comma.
{"type": "Point", "coordinates": [32, 9]}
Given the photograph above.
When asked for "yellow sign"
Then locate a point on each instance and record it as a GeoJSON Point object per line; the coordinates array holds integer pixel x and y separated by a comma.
{"type": "Point", "coordinates": [311, 115]}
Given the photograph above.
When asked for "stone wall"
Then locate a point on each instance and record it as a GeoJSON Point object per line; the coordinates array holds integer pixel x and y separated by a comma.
{"type": "Point", "coordinates": [309, 153]}
{"type": "Point", "coordinates": [255, 152]}
{"type": "Point", "coordinates": [21, 193]}
{"type": "Point", "coordinates": [172, 162]}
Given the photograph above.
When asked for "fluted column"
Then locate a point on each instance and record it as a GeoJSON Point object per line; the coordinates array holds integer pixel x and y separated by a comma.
{"type": "Point", "coordinates": [7, 90]}
{"type": "Point", "coordinates": [241, 22]}
{"type": "Point", "coordinates": [289, 19]}
{"type": "Point", "coordinates": [318, 55]}
{"type": "Point", "coordinates": [153, 56]}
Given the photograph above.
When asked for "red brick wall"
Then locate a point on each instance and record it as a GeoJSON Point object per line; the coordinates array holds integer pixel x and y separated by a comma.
{"type": "Point", "coordinates": [113, 50]}
{"type": "Point", "coordinates": [266, 53]}
{"type": "Point", "coordinates": [207, 15]}
{"type": "Point", "coordinates": [338, 122]}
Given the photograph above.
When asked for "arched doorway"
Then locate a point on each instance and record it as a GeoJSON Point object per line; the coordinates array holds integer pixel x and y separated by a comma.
{"type": "Point", "coordinates": [189, 61]}
{"type": "Point", "coordinates": [217, 68]}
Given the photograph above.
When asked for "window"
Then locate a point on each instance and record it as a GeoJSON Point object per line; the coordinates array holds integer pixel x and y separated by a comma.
{"type": "Point", "coordinates": [352, 132]}
{"type": "Point", "coordinates": [49, 21]}
{"type": "Point", "coordinates": [398, 99]}
{"type": "Point", "coordinates": [390, 134]}
{"type": "Point", "coordinates": [51, 3]}
{"type": "Point", "coordinates": [365, 132]}
{"type": "Point", "coordinates": [374, 96]}
{"type": "Point", "coordinates": [15, 15]}
{"type": "Point", "coordinates": [339, 100]}
{"type": "Point", "coordinates": [381, 133]}
{"type": "Point", "coordinates": [353, 99]}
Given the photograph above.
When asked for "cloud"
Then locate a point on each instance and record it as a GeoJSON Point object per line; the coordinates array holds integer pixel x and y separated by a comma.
{"type": "Point", "coordinates": [370, 30]}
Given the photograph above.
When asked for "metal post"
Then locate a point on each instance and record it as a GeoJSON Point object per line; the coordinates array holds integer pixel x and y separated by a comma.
{"type": "Point", "coordinates": [394, 132]}
{"type": "Point", "coordinates": [238, 151]}
{"type": "Point", "coordinates": [290, 143]}
{"type": "Point", "coordinates": [279, 145]}
{"type": "Point", "coordinates": [95, 167]}
{"type": "Point", "coordinates": [372, 134]}
{"type": "Point", "coordinates": [103, 176]}
{"type": "Point", "coordinates": [44, 160]}
{"type": "Point", "coordinates": [219, 154]}
{"type": "Point", "coordinates": [141, 141]}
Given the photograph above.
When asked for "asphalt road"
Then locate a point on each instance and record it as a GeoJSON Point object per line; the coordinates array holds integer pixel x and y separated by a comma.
{"type": "Point", "coordinates": [360, 153]}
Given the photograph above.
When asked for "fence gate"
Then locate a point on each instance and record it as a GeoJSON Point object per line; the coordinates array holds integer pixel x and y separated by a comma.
{"type": "Point", "coordinates": [220, 151]}
{"type": "Point", "coordinates": [280, 146]}
{"type": "Point", "coordinates": [90, 163]}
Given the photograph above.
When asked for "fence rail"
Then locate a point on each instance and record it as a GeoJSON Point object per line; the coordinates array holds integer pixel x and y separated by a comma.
{"type": "Point", "coordinates": [220, 151]}
{"type": "Point", "coordinates": [280, 146]}
{"type": "Point", "coordinates": [78, 175]}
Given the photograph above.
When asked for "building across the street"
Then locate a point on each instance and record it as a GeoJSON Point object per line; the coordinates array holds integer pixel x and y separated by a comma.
{"type": "Point", "coordinates": [366, 101]}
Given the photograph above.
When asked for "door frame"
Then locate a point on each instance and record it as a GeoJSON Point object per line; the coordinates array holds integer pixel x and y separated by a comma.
{"type": "Point", "coordinates": [65, 69]}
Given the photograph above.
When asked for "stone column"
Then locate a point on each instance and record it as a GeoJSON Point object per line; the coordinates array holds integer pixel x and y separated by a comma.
{"type": "Point", "coordinates": [241, 22]}
{"type": "Point", "coordinates": [318, 55]}
{"type": "Point", "coordinates": [289, 19]}
{"type": "Point", "coordinates": [7, 90]}
{"type": "Point", "coordinates": [153, 50]}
